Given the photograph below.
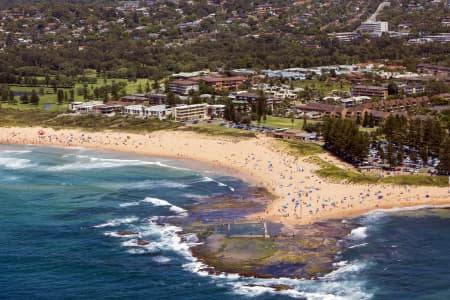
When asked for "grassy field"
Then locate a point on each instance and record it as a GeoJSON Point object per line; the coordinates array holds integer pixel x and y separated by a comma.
{"type": "Point", "coordinates": [11, 118]}
{"type": "Point", "coordinates": [219, 131]}
{"type": "Point", "coordinates": [330, 171]}
{"type": "Point", "coordinates": [50, 97]}
{"type": "Point", "coordinates": [279, 122]}
{"type": "Point", "coordinates": [300, 149]}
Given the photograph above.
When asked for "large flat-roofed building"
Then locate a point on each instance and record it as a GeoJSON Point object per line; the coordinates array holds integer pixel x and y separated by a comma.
{"type": "Point", "coordinates": [183, 87]}
{"type": "Point", "coordinates": [222, 82]}
{"type": "Point", "coordinates": [345, 36]}
{"type": "Point", "coordinates": [370, 91]}
{"type": "Point", "coordinates": [190, 112]}
{"type": "Point", "coordinates": [157, 99]}
{"type": "Point", "coordinates": [374, 28]}
{"type": "Point", "coordinates": [433, 69]}
{"type": "Point", "coordinates": [136, 99]}
{"type": "Point", "coordinates": [157, 111]}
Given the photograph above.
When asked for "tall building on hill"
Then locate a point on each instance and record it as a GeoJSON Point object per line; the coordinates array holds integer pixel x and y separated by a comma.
{"type": "Point", "coordinates": [374, 28]}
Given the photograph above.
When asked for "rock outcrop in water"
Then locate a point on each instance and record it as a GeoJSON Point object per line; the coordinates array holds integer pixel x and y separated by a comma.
{"type": "Point", "coordinates": [309, 253]}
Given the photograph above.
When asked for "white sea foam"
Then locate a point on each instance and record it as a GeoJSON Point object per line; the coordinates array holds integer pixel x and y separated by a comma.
{"type": "Point", "coordinates": [358, 233]}
{"type": "Point", "coordinates": [345, 269]}
{"type": "Point", "coordinates": [161, 202]}
{"type": "Point", "coordinates": [16, 151]}
{"type": "Point", "coordinates": [85, 162]}
{"type": "Point", "coordinates": [136, 251]}
{"type": "Point", "coordinates": [341, 284]}
{"type": "Point", "coordinates": [117, 222]}
{"type": "Point", "coordinates": [161, 259]}
{"type": "Point", "coordinates": [195, 196]}
{"type": "Point", "coordinates": [209, 179]}
{"type": "Point", "coordinates": [14, 163]}
{"type": "Point", "coordinates": [145, 184]}
{"type": "Point", "coordinates": [127, 204]}
{"type": "Point", "coordinates": [130, 243]}
{"type": "Point", "coordinates": [357, 245]}
{"type": "Point", "coordinates": [116, 235]}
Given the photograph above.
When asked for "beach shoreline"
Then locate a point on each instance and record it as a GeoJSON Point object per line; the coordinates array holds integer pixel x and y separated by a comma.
{"type": "Point", "coordinates": [301, 197]}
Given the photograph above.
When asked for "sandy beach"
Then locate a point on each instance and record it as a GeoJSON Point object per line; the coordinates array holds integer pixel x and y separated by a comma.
{"type": "Point", "coordinates": [301, 197]}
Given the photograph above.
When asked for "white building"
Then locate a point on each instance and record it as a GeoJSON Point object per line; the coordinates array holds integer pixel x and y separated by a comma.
{"type": "Point", "coordinates": [183, 87]}
{"type": "Point", "coordinates": [85, 107]}
{"type": "Point", "coordinates": [158, 111]}
{"type": "Point", "coordinates": [374, 28]}
{"type": "Point", "coordinates": [345, 36]}
{"type": "Point", "coordinates": [190, 112]}
{"type": "Point", "coordinates": [352, 101]}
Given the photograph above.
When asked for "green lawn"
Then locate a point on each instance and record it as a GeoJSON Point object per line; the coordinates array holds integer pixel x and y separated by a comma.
{"type": "Point", "coordinates": [220, 131]}
{"type": "Point", "coordinates": [49, 97]}
{"type": "Point", "coordinates": [301, 148]}
{"type": "Point", "coordinates": [330, 171]}
{"type": "Point", "coordinates": [279, 122]}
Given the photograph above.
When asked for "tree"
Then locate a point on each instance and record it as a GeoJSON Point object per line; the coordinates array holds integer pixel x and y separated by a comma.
{"type": "Point", "coordinates": [370, 121]}
{"type": "Point", "coordinates": [444, 157]}
{"type": "Point", "coordinates": [96, 93]}
{"type": "Point", "coordinates": [85, 92]}
{"type": "Point", "coordinates": [139, 89]}
{"type": "Point", "coordinates": [424, 154]}
{"type": "Point", "coordinates": [391, 159]}
{"type": "Point", "coordinates": [171, 100]}
{"type": "Point", "coordinates": [4, 94]}
{"type": "Point", "coordinates": [11, 97]}
{"type": "Point", "coordinates": [260, 105]}
{"type": "Point", "coordinates": [114, 90]}
{"type": "Point", "coordinates": [34, 99]}
{"type": "Point", "coordinates": [71, 95]}
{"type": "Point", "coordinates": [24, 98]}
{"type": "Point", "coordinates": [155, 84]}
{"type": "Point", "coordinates": [392, 88]}
{"type": "Point", "coordinates": [365, 121]}
{"type": "Point", "coordinates": [343, 138]}
{"type": "Point", "coordinates": [60, 96]}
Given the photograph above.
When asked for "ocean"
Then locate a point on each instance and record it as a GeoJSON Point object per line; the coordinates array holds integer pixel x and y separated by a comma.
{"type": "Point", "coordinates": [61, 209]}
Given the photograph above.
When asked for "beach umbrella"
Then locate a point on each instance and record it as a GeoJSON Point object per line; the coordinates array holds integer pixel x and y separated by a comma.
{"type": "Point", "coordinates": [41, 132]}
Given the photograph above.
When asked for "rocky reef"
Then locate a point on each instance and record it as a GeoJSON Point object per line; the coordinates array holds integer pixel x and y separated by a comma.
{"type": "Point", "coordinates": [262, 250]}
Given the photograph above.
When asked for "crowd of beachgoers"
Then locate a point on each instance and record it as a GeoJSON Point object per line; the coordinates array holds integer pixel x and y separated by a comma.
{"type": "Point", "coordinates": [300, 195]}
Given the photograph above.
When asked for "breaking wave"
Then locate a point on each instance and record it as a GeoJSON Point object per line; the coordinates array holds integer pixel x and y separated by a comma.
{"type": "Point", "coordinates": [117, 222]}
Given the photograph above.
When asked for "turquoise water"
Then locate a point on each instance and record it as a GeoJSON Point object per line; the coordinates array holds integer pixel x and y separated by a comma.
{"type": "Point", "coordinates": [60, 210]}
